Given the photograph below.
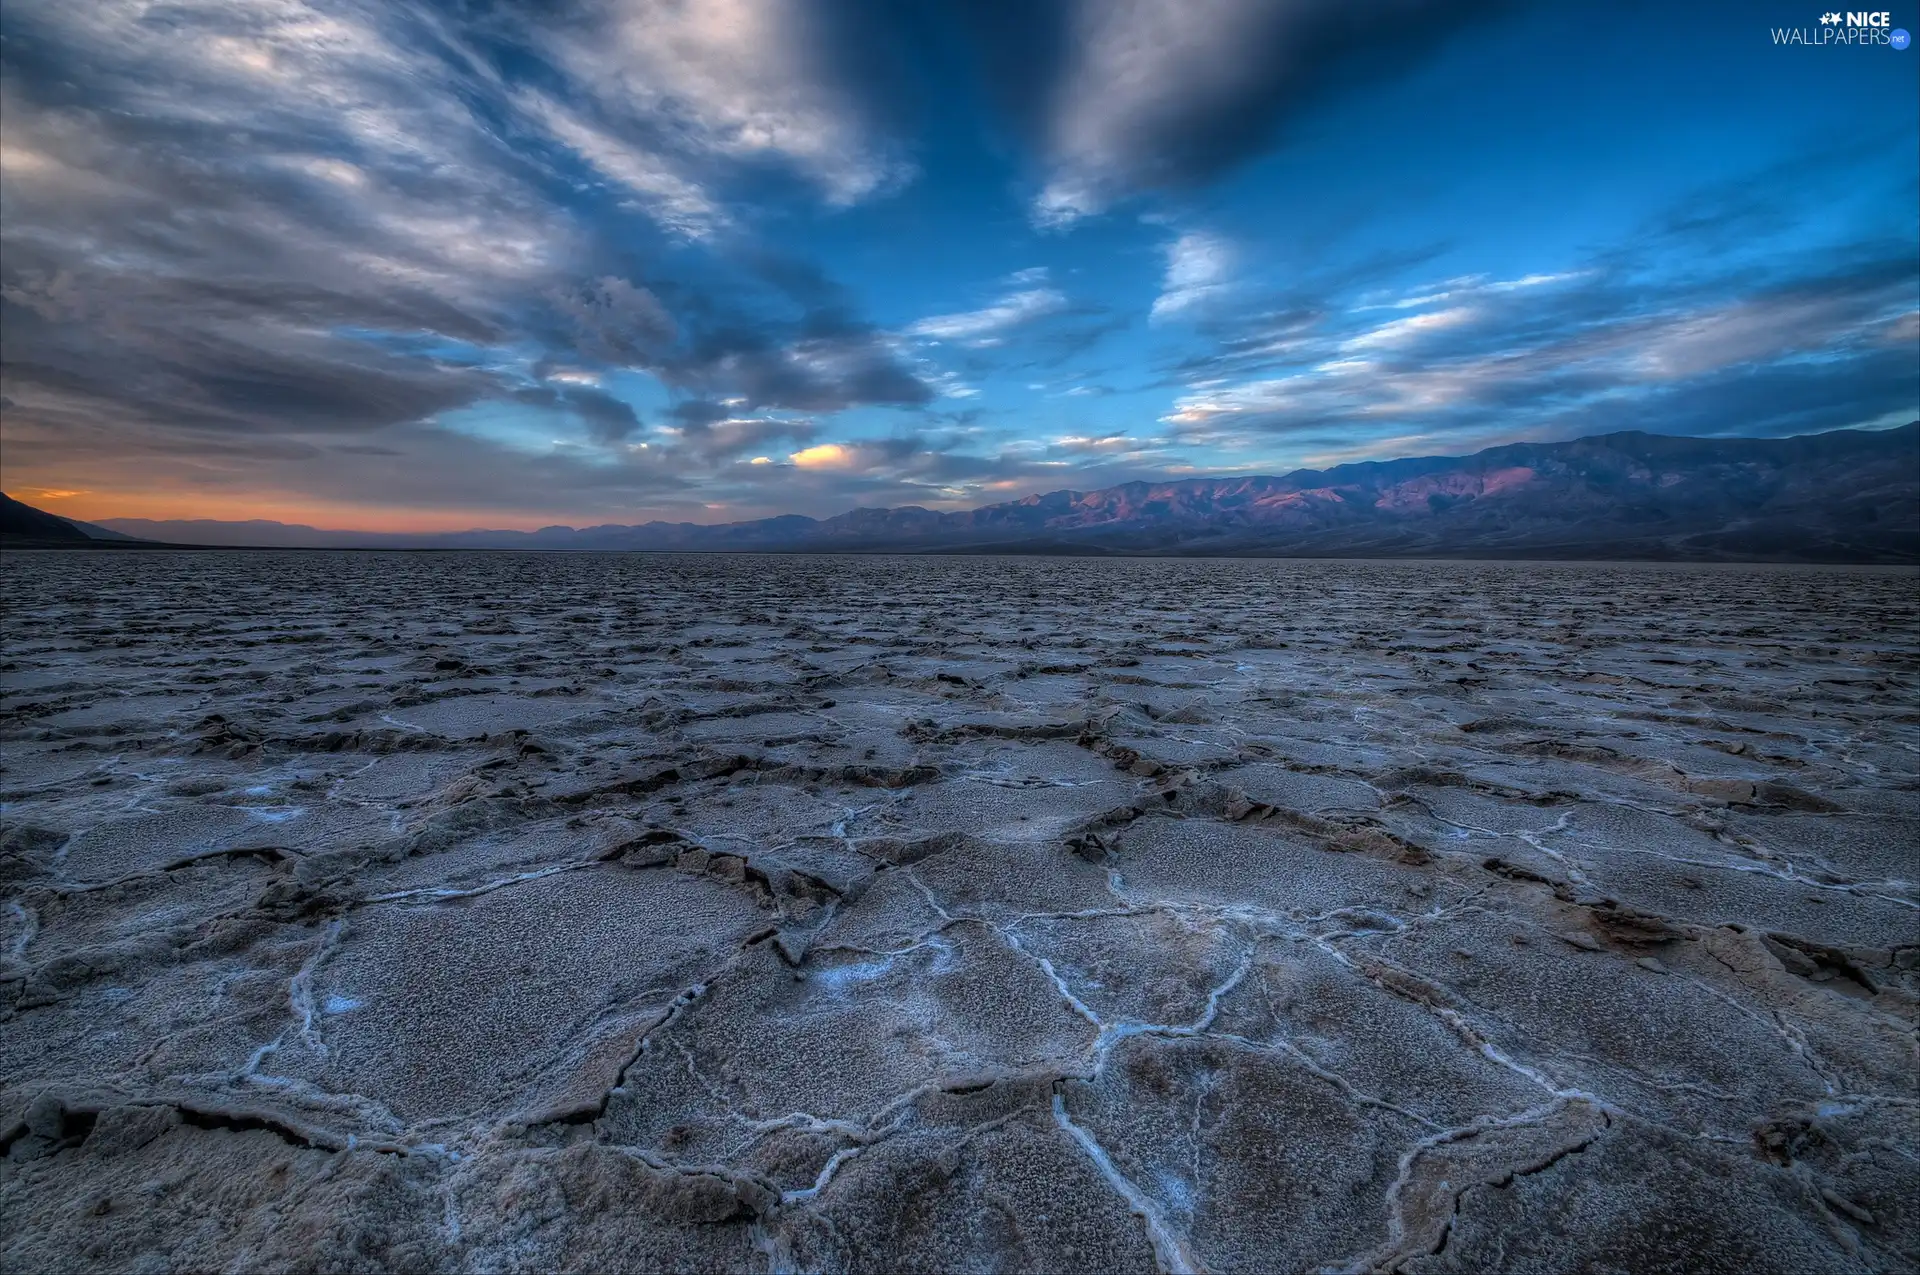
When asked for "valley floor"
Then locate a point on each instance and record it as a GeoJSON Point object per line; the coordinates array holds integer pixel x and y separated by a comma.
{"type": "Point", "coordinates": [501, 912]}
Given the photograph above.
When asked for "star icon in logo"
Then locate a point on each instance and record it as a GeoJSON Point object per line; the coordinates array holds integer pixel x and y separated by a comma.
{"type": "Point", "coordinates": [1829, 19]}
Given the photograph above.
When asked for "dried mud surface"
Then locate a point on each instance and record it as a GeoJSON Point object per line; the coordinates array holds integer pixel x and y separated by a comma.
{"type": "Point", "coordinates": [502, 913]}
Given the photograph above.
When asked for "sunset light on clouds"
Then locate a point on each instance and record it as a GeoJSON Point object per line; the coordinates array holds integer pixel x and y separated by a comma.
{"type": "Point", "coordinates": [402, 265]}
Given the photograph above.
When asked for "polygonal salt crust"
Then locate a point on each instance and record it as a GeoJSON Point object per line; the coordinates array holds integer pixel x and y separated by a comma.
{"type": "Point", "coordinates": [488, 912]}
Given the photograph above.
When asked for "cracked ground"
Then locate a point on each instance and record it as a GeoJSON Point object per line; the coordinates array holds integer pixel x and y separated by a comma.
{"type": "Point", "coordinates": [483, 912]}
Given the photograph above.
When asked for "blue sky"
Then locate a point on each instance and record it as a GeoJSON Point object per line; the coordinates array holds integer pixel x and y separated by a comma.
{"type": "Point", "coordinates": [413, 264]}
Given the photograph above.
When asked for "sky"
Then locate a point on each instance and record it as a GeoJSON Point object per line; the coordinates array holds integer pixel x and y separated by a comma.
{"type": "Point", "coordinates": [407, 265]}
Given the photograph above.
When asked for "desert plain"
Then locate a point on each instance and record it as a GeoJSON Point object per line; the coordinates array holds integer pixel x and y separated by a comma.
{"type": "Point", "coordinates": [519, 912]}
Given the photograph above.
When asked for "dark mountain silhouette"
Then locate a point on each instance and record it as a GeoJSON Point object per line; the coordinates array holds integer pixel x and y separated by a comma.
{"type": "Point", "coordinates": [22, 522]}
{"type": "Point", "coordinates": [24, 527]}
{"type": "Point", "coordinates": [1848, 495]}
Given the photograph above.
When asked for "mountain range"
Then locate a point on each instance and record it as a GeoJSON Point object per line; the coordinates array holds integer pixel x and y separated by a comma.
{"type": "Point", "coordinates": [1847, 495]}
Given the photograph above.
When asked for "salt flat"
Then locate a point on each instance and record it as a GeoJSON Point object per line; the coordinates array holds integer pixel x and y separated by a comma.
{"type": "Point", "coordinates": [518, 912]}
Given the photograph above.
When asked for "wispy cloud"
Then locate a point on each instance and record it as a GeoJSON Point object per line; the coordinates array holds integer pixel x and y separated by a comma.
{"type": "Point", "coordinates": [1589, 355]}
{"type": "Point", "coordinates": [1156, 94]}
{"type": "Point", "coordinates": [742, 79]}
{"type": "Point", "coordinates": [1407, 331]}
{"type": "Point", "coordinates": [1198, 266]}
{"type": "Point", "coordinates": [1013, 309]}
{"type": "Point", "coordinates": [678, 204]}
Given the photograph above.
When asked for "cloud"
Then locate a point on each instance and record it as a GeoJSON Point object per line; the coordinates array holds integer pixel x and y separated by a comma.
{"type": "Point", "coordinates": [707, 342]}
{"type": "Point", "coordinates": [1198, 265]}
{"type": "Point", "coordinates": [617, 321]}
{"type": "Point", "coordinates": [381, 255]}
{"type": "Point", "coordinates": [555, 258]}
{"type": "Point", "coordinates": [608, 419]}
{"type": "Point", "coordinates": [731, 437]}
{"type": "Point", "coordinates": [706, 430]}
{"type": "Point", "coordinates": [1407, 331]}
{"type": "Point", "coordinates": [215, 209]}
{"type": "Point", "coordinates": [1597, 352]}
{"type": "Point", "coordinates": [1161, 94]}
{"type": "Point", "coordinates": [1467, 287]}
{"type": "Point", "coordinates": [1109, 447]}
{"type": "Point", "coordinates": [697, 413]}
{"type": "Point", "coordinates": [1012, 310]}
{"type": "Point", "coordinates": [740, 79]}
{"type": "Point", "coordinates": [824, 456]}
{"type": "Point", "coordinates": [674, 201]}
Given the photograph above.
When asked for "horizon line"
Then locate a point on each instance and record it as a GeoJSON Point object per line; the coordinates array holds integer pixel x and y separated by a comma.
{"type": "Point", "coordinates": [103, 521]}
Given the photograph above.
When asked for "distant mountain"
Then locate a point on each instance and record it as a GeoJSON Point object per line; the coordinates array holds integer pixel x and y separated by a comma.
{"type": "Point", "coordinates": [1845, 496]}
{"type": "Point", "coordinates": [254, 533]}
{"type": "Point", "coordinates": [96, 532]}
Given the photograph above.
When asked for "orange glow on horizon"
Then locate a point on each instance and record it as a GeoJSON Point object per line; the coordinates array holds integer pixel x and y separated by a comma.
{"type": "Point", "coordinates": [95, 505]}
{"type": "Point", "coordinates": [98, 504]}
